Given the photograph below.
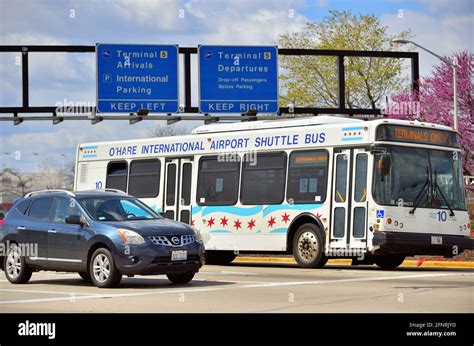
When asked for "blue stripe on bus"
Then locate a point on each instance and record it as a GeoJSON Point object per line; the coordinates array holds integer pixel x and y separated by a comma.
{"type": "Point", "coordinates": [279, 230]}
{"type": "Point", "coordinates": [239, 211]}
{"type": "Point", "coordinates": [352, 139]}
{"type": "Point", "coordinates": [90, 147]}
{"type": "Point", "coordinates": [355, 128]}
{"type": "Point", "coordinates": [220, 231]}
{"type": "Point", "coordinates": [89, 155]}
{"type": "Point", "coordinates": [272, 208]}
{"type": "Point", "coordinates": [230, 210]}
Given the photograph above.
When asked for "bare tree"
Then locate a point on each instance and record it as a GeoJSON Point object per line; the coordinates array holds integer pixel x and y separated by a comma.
{"type": "Point", "coordinates": [15, 184]}
{"type": "Point", "coordinates": [167, 131]}
{"type": "Point", "coordinates": [51, 175]}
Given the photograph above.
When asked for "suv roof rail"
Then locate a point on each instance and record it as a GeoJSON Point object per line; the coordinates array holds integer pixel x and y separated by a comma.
{"type": "Point", "coordinates": [107, 190]}
{"type": "Point", "coordinates": [40, 192]}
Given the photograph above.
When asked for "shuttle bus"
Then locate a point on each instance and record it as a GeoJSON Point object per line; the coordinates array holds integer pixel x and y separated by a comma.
{"type": "Point", "coordinates": [315, 187]}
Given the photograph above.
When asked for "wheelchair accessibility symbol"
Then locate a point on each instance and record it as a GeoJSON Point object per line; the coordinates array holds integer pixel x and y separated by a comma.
{"type": "Point", "coordinates": [380, 214]}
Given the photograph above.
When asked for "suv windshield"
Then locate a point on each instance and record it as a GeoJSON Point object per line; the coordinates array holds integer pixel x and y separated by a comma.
{"type": "Point", "coordinates": [413, 170]}
{"type": "Point", "coordinates": [117, 209]}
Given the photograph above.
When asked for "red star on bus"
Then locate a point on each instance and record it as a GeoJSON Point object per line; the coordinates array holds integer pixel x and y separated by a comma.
{"type": "Point", "coordinates": [271, 222]}
{"type": "Point", "coordinates": [237, 224]}
{"type": "Point", "coordinates": [251, 224]}
{"type": "Point", "coordinates": [192, 222]}
{"type": "Point", "coordinates": [285, 217]}
{"type": "Point", "coordinates": [210, 222]}
{"type": "Point", "coordinates": [224, 221]}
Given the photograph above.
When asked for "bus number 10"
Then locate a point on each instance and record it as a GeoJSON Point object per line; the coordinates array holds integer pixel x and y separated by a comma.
{"type": "Point", "coordinates": [442, 216]}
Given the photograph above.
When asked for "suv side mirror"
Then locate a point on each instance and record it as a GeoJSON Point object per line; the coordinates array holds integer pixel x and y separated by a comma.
{"type": "Point", "coordinates": [75, 220]}
{"type": "Point", "coordinates": [384, 164]}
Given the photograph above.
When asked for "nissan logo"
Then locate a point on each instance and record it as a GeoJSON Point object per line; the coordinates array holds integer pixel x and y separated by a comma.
{"type": "Point", "coordinates": [175, 240]}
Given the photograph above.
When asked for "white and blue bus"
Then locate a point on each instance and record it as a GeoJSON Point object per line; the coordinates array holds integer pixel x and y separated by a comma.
{"type": "Point", "coordinates": [314, 187]}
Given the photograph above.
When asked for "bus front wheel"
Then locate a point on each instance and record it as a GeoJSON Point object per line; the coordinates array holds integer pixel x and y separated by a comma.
{"type": "Point", "coordinates": [308, 247]}
{"type": "Point", "coordinates": [389, 262]}
{"type": "Point", "coordinates": [220, 257]}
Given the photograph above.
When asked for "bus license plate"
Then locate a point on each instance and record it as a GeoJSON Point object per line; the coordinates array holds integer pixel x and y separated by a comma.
{"type": "Point", "coordinates": [181, 255]}
{"type": "Point", "coordinates": [436, 240]}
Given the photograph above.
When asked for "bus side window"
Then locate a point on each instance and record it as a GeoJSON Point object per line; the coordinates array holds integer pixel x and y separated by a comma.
{"type": "Point", "coordinates": [263, 181]}
{"type": "Point", "coordinates": [307, 176]}
{"type": "Point", "coordinates": [144, 179]}
{"type": "Point", "coordinates": [218, 181]}
{"type": "Point", "coordinates": [117, 176]}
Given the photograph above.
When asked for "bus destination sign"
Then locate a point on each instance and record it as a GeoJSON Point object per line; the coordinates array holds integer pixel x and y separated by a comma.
{"type": "Point", "coordinates": [400, 133]}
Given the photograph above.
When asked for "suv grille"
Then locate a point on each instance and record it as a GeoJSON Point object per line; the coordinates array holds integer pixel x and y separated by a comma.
{"type": "Point", "coordinates": [172, 240]}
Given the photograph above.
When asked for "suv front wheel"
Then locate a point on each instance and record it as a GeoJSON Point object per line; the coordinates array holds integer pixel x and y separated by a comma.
{"type": "Point", "coordinates": [102, 269]}
{"type": "Point", "coordinates": [16, 269]}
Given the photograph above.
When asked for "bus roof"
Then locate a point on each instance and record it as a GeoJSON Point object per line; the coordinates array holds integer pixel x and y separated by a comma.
{"type": "Point", "coordinates": [277, 123]}
{"type": "Point", "coordinates": [331, 121]}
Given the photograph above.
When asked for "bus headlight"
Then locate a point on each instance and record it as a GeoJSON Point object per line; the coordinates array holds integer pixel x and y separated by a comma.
{"type": "Point", "coordinates": [130, 237]}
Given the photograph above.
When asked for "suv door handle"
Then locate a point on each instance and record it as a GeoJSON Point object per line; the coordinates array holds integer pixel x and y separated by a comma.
{"type": "Point", "coordinates": [21, 228]}
{"type": "Point", "coordinates": [52, 231]}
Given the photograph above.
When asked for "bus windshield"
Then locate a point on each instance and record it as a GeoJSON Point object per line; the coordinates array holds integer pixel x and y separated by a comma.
{"type": "Point", "coordinates": [434, 177]}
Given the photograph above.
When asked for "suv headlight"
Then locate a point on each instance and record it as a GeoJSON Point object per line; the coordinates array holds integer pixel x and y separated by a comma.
{"type": "Point", "coordinates": [130, 237]}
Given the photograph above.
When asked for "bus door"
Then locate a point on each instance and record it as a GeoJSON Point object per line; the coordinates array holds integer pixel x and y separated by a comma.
{"type": "Point", "coordinates": [349, 199]}
{"type": "Point", "coordinates": [177, 196]}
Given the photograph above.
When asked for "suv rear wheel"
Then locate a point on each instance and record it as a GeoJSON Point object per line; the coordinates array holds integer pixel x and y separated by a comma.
{"type": "Point", "coordinates": [16, 269]}
{"type": "Point", "coordinates": [104, 273]}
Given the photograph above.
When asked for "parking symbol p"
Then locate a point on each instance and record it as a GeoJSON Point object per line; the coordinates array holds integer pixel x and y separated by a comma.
{"type": "Point", "coordinates": [107, 78]}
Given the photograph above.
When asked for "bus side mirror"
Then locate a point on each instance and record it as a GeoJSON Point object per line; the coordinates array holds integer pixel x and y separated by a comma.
{"type": "Point", "coordinates": [384, 164]}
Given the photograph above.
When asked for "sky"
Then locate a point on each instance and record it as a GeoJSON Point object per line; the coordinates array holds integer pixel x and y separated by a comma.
{"type": "Point", "coordinates": [444, 26]}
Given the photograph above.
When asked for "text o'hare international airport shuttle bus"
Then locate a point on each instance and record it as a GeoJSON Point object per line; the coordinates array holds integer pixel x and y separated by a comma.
{"type": "Point", "coordinates": [315, 187]}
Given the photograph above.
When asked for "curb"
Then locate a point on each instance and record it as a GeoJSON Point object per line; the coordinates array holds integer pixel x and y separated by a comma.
{"type": "Point", "coordinates": [406, 263]}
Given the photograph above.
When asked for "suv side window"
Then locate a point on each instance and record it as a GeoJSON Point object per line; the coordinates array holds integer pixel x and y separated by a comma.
{"type": "Point", "coordinates": [41, 208]}
{"type": "Point", "coordinates": [23, 206]}
{"type": "Point", "coordinates": [65, 207]}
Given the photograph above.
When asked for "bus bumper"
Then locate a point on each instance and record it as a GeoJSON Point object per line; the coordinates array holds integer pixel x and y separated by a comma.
{"type": "Point", "coordinates": [411, 244]}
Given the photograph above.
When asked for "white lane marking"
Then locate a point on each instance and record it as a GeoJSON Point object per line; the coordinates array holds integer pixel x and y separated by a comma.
{"type": "Point", "coordinates": [225, 272]}
{"type": "Point", "coordinates": [43, 292]}
{"type": "Point", "coordinates": [210, 289]}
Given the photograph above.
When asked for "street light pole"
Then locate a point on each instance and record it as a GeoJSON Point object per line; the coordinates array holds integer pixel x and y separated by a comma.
{"type": "Point", "coordinates": [454, 66]}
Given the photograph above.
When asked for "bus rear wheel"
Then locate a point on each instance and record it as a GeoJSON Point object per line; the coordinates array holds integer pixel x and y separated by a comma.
{"type": "Point", "coordinates": [389, 262]}
{"type": "Point", "coordinates": [220, 257]}
{"type": "Point", "coordinates": [308, 247]}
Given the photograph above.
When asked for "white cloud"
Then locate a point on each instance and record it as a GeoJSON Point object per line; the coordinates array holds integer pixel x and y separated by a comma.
{"type": "Point", "coordinates": [443, 35]}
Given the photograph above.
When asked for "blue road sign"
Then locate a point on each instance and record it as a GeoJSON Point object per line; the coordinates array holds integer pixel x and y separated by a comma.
{"type": "Point", "coordinates": [133, 77]}
{"type": "Point", "coordinates": [236, 79]}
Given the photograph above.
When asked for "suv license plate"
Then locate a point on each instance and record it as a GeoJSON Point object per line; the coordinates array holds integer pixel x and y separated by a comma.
{"type": "Point", "coordinates": [181, 255]}
{"type": "Point", "coordinates": [436, 240]}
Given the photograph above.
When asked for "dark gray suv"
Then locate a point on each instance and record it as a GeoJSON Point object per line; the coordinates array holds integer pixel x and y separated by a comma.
{"type": "Point", "coordinates": [101, 234]}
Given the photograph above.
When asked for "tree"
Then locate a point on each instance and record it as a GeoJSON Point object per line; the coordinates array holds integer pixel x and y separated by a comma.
{"type": "Point", "coordinates": [15, 184]}
{"type": "Point", "coordinates": [167, 131]}
{"type": "Point", "coordinates": [434, 103]}
{"type": "Point", "coordinates": [312, 81]}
